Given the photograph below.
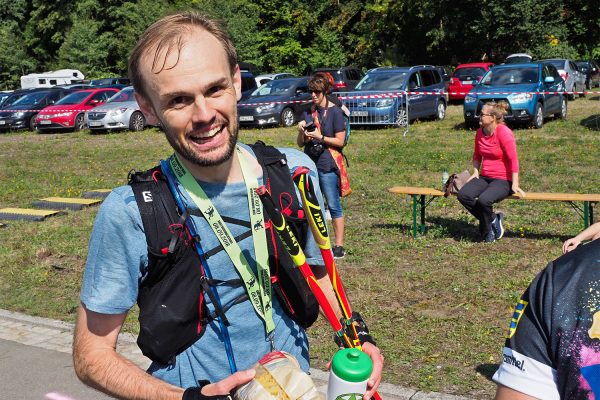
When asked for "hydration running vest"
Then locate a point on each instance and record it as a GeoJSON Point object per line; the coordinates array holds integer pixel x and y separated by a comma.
{"type": "Point", "coordinates": [173, 314]}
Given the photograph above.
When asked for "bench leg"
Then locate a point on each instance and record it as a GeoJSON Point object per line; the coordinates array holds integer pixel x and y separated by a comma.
{"type": "Point", "coordinates": [588, 213]}
{"type": "Point", "coordinates": [423, 227]}
{"type": "Point", "coordinates": [414, 215]}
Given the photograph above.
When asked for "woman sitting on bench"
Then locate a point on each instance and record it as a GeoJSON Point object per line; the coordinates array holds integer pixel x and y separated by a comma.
{"type": "Point", "coordinates": [495, 171]}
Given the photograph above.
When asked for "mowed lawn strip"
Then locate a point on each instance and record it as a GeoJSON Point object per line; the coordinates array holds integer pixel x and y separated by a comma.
{"type": "Point", "coordinates": [437, 305]}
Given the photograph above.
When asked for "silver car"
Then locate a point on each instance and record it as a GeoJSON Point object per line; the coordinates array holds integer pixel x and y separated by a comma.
{"type": "Point", "coordinates": [120, 112]}
{"type": "Point", "coordinates": [568, 70]}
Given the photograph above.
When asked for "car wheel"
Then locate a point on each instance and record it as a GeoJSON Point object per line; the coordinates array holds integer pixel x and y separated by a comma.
{"type": "Point", "coordinates": [538, 116]}
{"type": "Point", "coordinates": [563, 109]}
{"type": "Point", "coordinates": [402, 117]}
{"type": "Point", "coordinates": [31, 126]}
{"type": "Point", "coordinates": [287, 117]}
{"type": "Point", "coordinates": [441, 111]}
{"type": "Point", "coordinates": [137, 121]}
{"type": "Point", "coordinates": [79, 123]}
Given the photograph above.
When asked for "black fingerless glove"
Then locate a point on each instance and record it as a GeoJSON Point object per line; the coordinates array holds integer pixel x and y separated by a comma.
{"type": "Point", "coordinates": [361, 330]}
{"type": "Point", "coordinates": [195, 393]}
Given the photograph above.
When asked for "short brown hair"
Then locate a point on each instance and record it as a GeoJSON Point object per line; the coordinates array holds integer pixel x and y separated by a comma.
{"type": "Point", "coordinates": [319, 82]}
{"type": "Point", "coordinates": [166, 35]}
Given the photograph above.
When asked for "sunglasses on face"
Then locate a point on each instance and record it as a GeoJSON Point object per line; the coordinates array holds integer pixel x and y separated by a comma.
{"type": "Point", "coordinates": [315, 91]}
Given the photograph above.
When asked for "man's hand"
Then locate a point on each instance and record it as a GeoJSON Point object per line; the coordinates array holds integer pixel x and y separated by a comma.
{"type": "Point", "coordinates": [375, 378]}
{"type": "Point", "coordinates": [227, 385]}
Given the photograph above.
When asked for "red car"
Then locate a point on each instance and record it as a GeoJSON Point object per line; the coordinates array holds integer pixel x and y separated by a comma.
{"type": "Point", "coordinates": [69, 112]}
{"type": "Point", "coordinates": [464, 77]}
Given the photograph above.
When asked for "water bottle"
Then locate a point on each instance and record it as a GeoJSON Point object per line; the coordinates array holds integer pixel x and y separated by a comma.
{"type": "Point", "coordinates": [350, 371]}
{"type": "Point", "coordinates": [445, 177]}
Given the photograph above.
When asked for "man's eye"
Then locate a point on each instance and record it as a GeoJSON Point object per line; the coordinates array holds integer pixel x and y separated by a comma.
{"type": "Point", "coordinates": [216, 89]}
{"type": "Point", "coordinates": [179, 101]}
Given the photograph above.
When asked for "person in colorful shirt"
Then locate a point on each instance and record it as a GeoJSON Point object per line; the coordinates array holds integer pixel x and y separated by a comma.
{"type": "Point", "coordinates": [187, 80]}
{"type": "Point", "coordinates": [552, 349]}
{"type": "Point", "coordinates": [495, 171]}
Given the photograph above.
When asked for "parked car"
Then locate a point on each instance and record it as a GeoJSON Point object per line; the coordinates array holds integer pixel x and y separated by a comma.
{"type": "Point", "coordinates": [264, 78]}
{"type": "Point", "coordinates": [533, 92]}
{"type": "Point", "coordinates": [69, 112]}
{"type": "Point", "coordinates": [104, 82]}
{"type": "Point", "coordinates": [5, 94]}
{"type": "Point", "coordinates": [119, 112]}
{"type": "Point", "coordinates": [591, 70]}
{"type": "Point", "coordinates": [378, 98]}
{"type": "Point", "coordinates": [574, 80]}
{"type": "Point", "coordinates": [465, 76]}
{"type": "Point", "coordinates": [518, 58]}
{"type": "Point", "coordinates": [16, 95]}
{"type": "Point", "coordinates": [22, 113]}
{"type": "Point", "coordinates": [277, 102]}
{"type": "Point", "coordinates": [248, 83]}
{"type": "Point", "coordinates": [344, 78]}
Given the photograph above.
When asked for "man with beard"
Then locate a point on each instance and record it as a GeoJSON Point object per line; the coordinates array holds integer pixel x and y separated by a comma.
{"type": "Point", "coordinates": [185, 73]}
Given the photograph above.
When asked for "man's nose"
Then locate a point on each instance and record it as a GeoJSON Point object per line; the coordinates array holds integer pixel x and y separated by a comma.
{"type": "Point", "coordinates": [202, 111]}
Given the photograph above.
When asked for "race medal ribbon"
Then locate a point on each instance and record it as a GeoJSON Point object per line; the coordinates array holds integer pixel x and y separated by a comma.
{"type": "Point", "coordinates": [259, 295]}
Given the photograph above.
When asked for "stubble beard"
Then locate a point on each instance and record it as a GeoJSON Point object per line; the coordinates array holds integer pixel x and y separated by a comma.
{"type": "Point", "coordinates": [193, 157]}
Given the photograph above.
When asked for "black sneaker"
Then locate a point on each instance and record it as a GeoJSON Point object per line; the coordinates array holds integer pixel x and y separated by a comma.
{"type": "Point", "coordinates": [498, 228]}
{"type": "Point", "coordinates": [490, 237]}
{"type": "Point", "coordinates": [338, 252]}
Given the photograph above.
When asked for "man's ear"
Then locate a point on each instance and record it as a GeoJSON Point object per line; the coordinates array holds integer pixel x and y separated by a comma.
{"type": "Point", "coordinates": [147, 109]}
{"type": "Point", "coordinates": [237, 82]}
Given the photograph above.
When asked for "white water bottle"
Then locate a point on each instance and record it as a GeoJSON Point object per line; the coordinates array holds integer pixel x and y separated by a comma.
{"type": "Point", "coordinates": [445, 177]}
{"type": "Point", "coordinates": [350, 371]}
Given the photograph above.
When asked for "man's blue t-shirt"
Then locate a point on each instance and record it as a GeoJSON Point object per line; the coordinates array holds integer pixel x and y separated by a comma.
{"type": "Point", "coordinates": [118, 260]}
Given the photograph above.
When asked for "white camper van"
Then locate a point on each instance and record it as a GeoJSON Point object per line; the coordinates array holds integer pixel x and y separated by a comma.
{"type": "Point", "coordinates": [51, 78]}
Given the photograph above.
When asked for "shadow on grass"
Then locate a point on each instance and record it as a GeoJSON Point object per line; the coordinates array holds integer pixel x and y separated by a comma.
{"type": "Point", "coordinates": [592, 122]}
{"type": "Point", "coordinates": [487, 370]}
{"type": "Point", "coordinates": [461, 230]}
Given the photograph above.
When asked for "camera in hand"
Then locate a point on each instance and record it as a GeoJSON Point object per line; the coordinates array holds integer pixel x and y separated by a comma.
{"type": "Point", "coordinates": [310, 127]}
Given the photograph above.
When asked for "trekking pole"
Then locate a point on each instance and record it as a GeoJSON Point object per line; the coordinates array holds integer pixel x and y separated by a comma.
{"type": "Point", "coordinates": [292, 246]}
{"type": "Point", "coordinates": [317, 224]}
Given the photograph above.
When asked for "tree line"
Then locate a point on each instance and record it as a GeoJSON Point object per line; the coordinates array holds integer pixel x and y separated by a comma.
{"type": "Point", "coordinates": [96, 36]}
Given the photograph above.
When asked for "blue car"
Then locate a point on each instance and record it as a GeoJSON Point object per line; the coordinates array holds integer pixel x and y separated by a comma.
{"type": "Point", "coordinates": [533, 91]}
{"type": "Point", "coordinates": [380, 99]}
{"type": "Point", "coordinates": [277, 102]}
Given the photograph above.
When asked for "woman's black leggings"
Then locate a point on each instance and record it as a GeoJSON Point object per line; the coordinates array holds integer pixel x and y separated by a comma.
{"type": "Point", "coordinates": [478, 195]}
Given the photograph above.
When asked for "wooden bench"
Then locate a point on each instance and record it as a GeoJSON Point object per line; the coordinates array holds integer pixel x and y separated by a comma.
{"type": "Point", "coordinates": [420, 201]}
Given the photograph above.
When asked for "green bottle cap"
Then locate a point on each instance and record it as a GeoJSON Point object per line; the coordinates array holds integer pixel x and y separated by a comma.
{"type": "Point", "coordinates": [352, 365]}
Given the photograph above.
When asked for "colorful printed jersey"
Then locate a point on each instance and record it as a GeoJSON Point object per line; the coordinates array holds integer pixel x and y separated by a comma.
{"type": "Point", "coordinates": [552, 349]}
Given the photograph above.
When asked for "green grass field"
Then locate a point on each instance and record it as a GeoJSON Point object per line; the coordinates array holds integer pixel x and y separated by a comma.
{"type": "Point", "coordinates": [438, 305]}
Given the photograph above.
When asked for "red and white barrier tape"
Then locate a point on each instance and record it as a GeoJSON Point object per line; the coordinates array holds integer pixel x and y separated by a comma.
{"type": "Point", "coordinates": [398, 94]}
{"type": "Point", "coordinates": [47, 112]}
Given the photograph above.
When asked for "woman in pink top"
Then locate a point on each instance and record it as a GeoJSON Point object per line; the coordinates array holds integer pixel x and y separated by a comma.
{"type": "Point", "coordinates": [495, 171]}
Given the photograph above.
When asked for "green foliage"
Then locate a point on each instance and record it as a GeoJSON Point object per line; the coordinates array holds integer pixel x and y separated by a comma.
{"type": "Point", "coordinates": [297, 36]}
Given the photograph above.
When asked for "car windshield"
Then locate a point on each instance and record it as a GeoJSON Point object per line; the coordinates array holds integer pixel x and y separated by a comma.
{"type": "Point", "coordinates": [74, 98]}
{"type": "Point", "coordinates": [99, 82]}
{"type": "Point", "coordinates": [30, 99]}
{"type": "Point", "coordinates": [275, 87]}
{"type": "Point", "coordinates": [559, 64]}
{"type": "Point", "coordinates": [123, 95]}
{"type": "Point", "coordinates": [510, 76]}
{"type": "Point", "coordinates": [382, 81]}
{"type": "Point", "coordinates": [469, 73]}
